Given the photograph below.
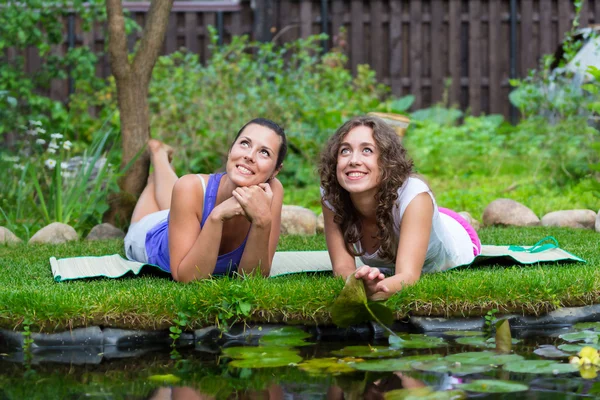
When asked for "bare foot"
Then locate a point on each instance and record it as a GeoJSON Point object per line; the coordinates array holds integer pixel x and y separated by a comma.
{"type": "Point", "coordinates": [156, 145]}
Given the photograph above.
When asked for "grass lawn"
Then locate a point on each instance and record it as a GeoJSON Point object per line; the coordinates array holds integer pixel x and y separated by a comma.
{"type": "Point", "coordinates": [27, 290]}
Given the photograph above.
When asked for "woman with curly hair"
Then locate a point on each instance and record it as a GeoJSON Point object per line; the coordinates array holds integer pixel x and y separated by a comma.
{"type": "Point", "coordinates": [375, 207]}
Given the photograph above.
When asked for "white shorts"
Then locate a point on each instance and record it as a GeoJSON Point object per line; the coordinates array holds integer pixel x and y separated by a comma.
{"type": "Point", "coordinates": [135, 240]}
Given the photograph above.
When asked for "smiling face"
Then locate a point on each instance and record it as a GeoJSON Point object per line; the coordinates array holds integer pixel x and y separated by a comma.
{"type": "Point", "coordinates": [357, 167]}
{"type": "Point", "coordinates": [253, 157]}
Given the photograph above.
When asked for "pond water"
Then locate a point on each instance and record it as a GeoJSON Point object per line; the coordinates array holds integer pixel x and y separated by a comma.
{"type": "Point", "coordinates": [287, 364]}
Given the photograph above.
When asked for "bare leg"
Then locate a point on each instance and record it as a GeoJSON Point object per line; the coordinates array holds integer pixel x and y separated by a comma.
{"type": "Point", "coordinates": [157, 193]}
{"type": "Point", "coordinates": [164, 176]}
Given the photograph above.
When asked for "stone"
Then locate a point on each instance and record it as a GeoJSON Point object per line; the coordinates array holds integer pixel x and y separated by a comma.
{"type": "Point", "coordinates": [7, 237]}
{"type": "Point", "coordinates": [320, 223]}
{"type": "Point", "coordinates": [54, 233]}
{"type": "Point", "coordinates": [296, 220]}
{"type": "Point", "coordinates": [509, 212]}
{"type": "Point", "coordinates": [583, 219]}
{"type": "Point", "coordinates": [105, 231]}
{"type": "Point", "coordinates": [472, 221]}
{"type": "Point", "coordinates": [598, 222]}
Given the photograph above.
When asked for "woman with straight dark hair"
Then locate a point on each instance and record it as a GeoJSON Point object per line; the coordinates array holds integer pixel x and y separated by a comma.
{"type": "Point", "coordinates": [201, 225]}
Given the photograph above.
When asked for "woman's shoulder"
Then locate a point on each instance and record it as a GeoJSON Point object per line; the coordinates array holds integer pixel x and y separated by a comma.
{"type": "Point", "coordinates": [276, 185]}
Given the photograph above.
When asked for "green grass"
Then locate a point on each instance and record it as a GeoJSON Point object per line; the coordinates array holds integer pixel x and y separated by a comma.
{"type": "Point", "coordinates": [150, 302]}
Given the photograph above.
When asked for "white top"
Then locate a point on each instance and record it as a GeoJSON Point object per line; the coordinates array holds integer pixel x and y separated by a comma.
{"type": "Point", "coordinates": [449, 243]}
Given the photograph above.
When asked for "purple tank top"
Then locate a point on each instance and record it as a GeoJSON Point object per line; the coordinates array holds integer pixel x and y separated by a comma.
{"type": "Point", "coordinates": [157, 238]}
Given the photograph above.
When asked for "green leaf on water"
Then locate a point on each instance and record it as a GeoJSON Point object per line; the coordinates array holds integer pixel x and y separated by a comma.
{"type": "Point", "coordinates": [463, 333]}
{"type": "Point", "coordinates": [582, 336]}
{"type": "Point", "coordinates": [576, 348]}
{"type": "Point", "coordinates": [458, 369]}
{"type": "Point", "coordinates": [426, 393]}
{"type": "Point", "coordinates": [483, 358]}
{"type": "Point", "coordinates": [330, 365]}
{"type": "Point", "coordinates": [367, 352]}
{"type": "Point", "coordinates": [286, 336]}
{"type": "Point", "coordinates": [539, 367]}
{"type": "Point", "coordinates": [493, 386]}
{"type": "Point", "coordinates": [394, 364]}
{"type": "Point", "coordinates": [503, 337]}
{"type": "Point", "coordinates": [261, 356]}
{"type": "Point", "coordinates": [351, 306]}
{"type": "Point", "coordinates": [549, 351]}
{"type": "Point", "coordinates": [475, 341]}
{"type": "Point", "coordinates": [595, 326]}
{"type": "Point", "coordinates": [416, 341]}
{"type": "Point", "coordinates": [167, 378]}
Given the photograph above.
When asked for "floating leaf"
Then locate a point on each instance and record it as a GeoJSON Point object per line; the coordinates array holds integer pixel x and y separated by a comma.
{"type": "Point", "coordinates": [395, 364]}
{"type": "Point", "coordinates": [261, 357]}
{"type": "Point", "coordinates": [464, 333]}
{"type": "Point", "coordinates": [594, 326]}
{"type": "Point", "coordinates": [493, 386]}
{"type": "Point", "coordinates": [329, 365]}
{"type": "Point", "coordinates": [475, 341]}
{"type": "Point", "coordinates": [483, 358]}
{"type": "Point", "coordinates": [582, 336]}
{"type": "Point", "coordinates": [286, 336]}
{"type": "Point", "coordinates": [442, 366]}
{"type": "Point", "coordinates": [550, 351]}
{"type": "Point", "coordinates": [539, 367]}
{"type": "Point", "coordinates": [503, 337]}
{"type": "Point", "coordinates": [367, 352]}
{"type": "Point", "coordinates": [576, 348]}
{"type": "Point", "coordinates": [426, 393]}
{"type": "Point", "coordinates": [416, 341]}
{"type": "Point", "coordinates": [167, 378]}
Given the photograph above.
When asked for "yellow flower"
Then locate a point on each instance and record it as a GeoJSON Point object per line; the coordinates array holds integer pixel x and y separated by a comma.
{"type": "Point", "coordinates": [588, 372]}
{"type": "Point", "coordinates": [589, 356]}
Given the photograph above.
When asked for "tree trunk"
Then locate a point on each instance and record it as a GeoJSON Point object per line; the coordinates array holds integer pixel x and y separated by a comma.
{"type": "Point", "coordinates": [132, 81]}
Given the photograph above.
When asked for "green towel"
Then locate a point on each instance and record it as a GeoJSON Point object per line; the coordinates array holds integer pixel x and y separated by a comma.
{"type": "Point", "coordinates": [291, 262]}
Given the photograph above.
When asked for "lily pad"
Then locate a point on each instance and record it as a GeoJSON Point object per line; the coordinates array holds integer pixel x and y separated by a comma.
{"type": "Point", "coordinates": [331, 365]}
{"type": "Point", "coordinates": [550, 351]}
{"type": "Point", "coordinates": [351, 306]}
{"type": "Point", "coordinates": [582, 336]}
{"type": "Point", "coordinates": [424, 393]}
{"type": "Point", "coordinates": [456, 368]}
{"type": "Point", "coordinates": [464, 333]}
{"type": "Point", "coordinates": [483, 358]}
{"type": "Point", "coordinates": [539, 367]}
{"type": "Point", "coordinates": [367, 352]}
{"type": "Point", "coordinates": [394, 364]}
{"type": "Point", "coordinates": [594, 326]}
{"type": "Point", "coordinates": [286, 336]}
{"type": "Point", "coordinates": [576, 348]}
{"type": "Point", "coordinates": [261, 356]}
{"type": "Point", "coordinates": [415, 341]}
{"type": "Point", "coordinates": [475, 341]}
{"type": "Point", "coordinates": [493, 386]}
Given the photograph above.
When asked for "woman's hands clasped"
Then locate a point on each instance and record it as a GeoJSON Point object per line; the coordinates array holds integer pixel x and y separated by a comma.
{"type": "Point", "coordinates": [256, 202]}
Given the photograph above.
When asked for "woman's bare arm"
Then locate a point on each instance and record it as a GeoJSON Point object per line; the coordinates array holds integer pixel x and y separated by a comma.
{"type": "Point", "coordinates": [342, 261]}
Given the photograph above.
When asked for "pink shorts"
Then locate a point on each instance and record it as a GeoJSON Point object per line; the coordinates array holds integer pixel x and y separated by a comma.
{"type": "Point", "coordinates": [470, 230]}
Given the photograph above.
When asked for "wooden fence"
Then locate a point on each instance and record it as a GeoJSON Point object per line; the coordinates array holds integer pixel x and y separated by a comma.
{"type": "Point", "coordinates": [413, 45]}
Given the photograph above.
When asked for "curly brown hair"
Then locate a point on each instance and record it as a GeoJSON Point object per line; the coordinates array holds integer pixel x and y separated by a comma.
{"type": "Point", "coordinates": [395, 167]}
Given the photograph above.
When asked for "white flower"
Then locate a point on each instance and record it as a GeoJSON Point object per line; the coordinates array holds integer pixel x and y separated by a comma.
{"type": "Point", "coordinates": [64, 165]}
{"type": "Point", "coordinates": [40, 130]}
{"type": "Point", "coordinates": [53, 145]}
{"type": "Point", "coordinates": [51, 150]}
{"type": "Point", "coordinates": [19, 166]}
{"type": "Point", "coordinates": [12, 159]}
{"type": "Point", "coordinates": [66, 174]}
{"type": "Point", "coordinates": [56, 136]}
{"type": "Point", "coordinates": [40, 142]}
{"type": "Point", "coordinates": [32, 132]}
{"type": "Point", "coordinates": [37, 123]}
{"type": "Point", "coordinates": [67, 145]}
{"type": "Point", "coordinates": [50, 163]}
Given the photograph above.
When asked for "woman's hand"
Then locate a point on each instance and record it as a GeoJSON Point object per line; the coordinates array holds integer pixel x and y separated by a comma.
{"type": "Point", "coordinates": [373, 281]}
{"type": "Point", "coordinates": [228, 209]}
{"type": "Point", "coordinates": [255, 201]}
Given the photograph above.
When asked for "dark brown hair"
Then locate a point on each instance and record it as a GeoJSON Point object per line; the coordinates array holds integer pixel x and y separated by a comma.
{"type": "Point", "coordinates": [395, 169]}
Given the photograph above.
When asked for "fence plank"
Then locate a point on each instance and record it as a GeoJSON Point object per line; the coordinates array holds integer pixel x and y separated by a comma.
{"type": "Point", "coordinates": [475, 56]}
{"type": "Point", "coordinates": [337, 17]}
{"type": "Point", "coordinates": [494, 26]}
{"type": "Point", "coordinates": [235, 27]}
{"type": "Point", "coordinates": [564, 18]}
{"type": "Point", "coordinates": [396, 47]}
{"type": "Point", "coordinates": [171, 36]}
{"type": "Point", "coordinates": [546, 27]}
{"type": "Point", "coordinates": [208, 19]}
{"type": "Point", "coordinates": [527, 53]}
{"type": "Point", "coordinates": [305, 18]}
{"type": "Point", "coordinates": [377, 37]}
{"type": "Point", "coordinates": [584, 16]}
{"type": "Point", "coordinates": [357, 45]}
{"type": "Point", "coordinates": [437, 35]}
{"type": "Point", "coordinates": [416, 50]}
{"type": "Point", "coordinates": [454, 53]}
{"type": "Point", "coordinates": [191, 32]}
